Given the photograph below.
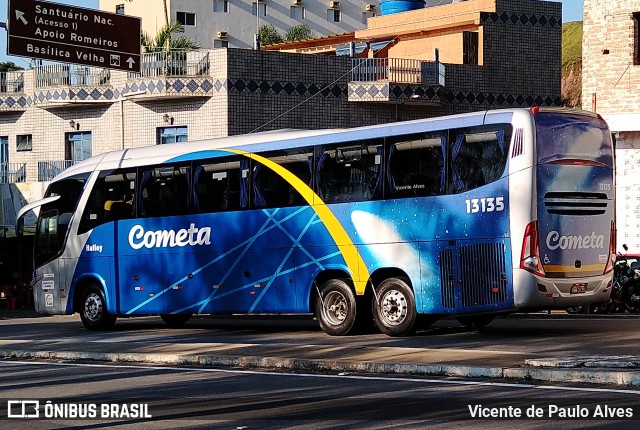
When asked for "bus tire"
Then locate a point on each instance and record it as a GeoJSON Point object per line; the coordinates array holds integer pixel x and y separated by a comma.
{"type": "Point", "coordinates": [476, 322]}
{"type": "Point", "coordinates": [394, 311]}
{"type": "Point", "coordinates": [336, 308]}
{"type": "Point", "coordinates": [93, 311]}
{"type": "Point", "coordinates": [175, 320]}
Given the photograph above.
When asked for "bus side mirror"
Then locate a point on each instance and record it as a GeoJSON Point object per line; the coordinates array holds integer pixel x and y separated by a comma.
{"type": "Point", "coordinates": [625, 247]}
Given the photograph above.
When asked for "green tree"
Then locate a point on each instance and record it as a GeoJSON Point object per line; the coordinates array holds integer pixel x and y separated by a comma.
{"type": "Point", "coordinates": [166, 40]}
{"type": "Point", "coordinates": [269, 35]}
{"type": "Point", "coordinates": [298, 32]}
{"type": "Point", "coordinates": [9, 66]}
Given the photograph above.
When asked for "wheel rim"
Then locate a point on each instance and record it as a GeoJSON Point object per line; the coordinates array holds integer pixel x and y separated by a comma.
{"type": "Point", "coordinates": [335, 308]}
{"type": "Point", "coordinates": [393, 307]}
{"type": "Point", "coordinates": [93, 307]}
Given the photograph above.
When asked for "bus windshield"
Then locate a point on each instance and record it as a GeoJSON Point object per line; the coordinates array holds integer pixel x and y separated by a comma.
{"type": "Point", "coordinates": [570, 136]}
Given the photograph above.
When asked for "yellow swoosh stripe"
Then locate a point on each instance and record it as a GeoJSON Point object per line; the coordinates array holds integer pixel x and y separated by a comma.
{"type": "Point", "coordinates": [573, 269]}
{"type": "Point", "coordinates": [355, 263]}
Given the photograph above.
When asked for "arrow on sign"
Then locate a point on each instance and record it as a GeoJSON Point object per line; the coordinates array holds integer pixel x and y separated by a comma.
{"type": "Point", "coordinates": [20, 16]}
{"type": "Point", "coordinates": [130, 61]}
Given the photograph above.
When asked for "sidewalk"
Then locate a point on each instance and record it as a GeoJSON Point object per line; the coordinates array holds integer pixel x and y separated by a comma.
{"type": "Point", "coordinates": [354, 354]}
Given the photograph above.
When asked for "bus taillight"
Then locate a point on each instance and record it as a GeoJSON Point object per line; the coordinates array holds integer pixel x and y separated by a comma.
{"type": "Point", "coordinates": [530, 256]}
{"type": "Point", "coordinates": [612, 249]}
{"type": "Point", "coordinates": [534, 110]}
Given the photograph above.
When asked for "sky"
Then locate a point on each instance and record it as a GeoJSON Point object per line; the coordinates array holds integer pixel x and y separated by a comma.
{"type": "Point", "coordinates": [571, 11]}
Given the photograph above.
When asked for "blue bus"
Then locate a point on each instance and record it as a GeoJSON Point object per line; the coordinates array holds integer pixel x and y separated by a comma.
{"type": "Point", "coordinates": [472, 215]}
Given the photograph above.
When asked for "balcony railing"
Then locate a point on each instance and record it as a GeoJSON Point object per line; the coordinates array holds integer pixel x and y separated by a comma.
{"type": "Point", "coordinates": [47, 170]}
{"type": "Point", "coordinates": [173, 63]}
{"type": "Point", "coordinates": [71, 75]}
{"type": "Point", "coordinates": [11, 82]}
{"type": "Point", "coordinates": [11, 173]}
{"type": "Point", "coordinates": [398, 70]}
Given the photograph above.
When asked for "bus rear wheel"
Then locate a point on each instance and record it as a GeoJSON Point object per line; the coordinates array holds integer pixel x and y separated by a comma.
{"type": "Point", "coordinates": [94, 313]}
{"type": "Point", "coordinates": [175, 320]}
{"type": "Point", "coordinates": [394, 307]}
{"type": "Point", "coordinates": [336, 308]}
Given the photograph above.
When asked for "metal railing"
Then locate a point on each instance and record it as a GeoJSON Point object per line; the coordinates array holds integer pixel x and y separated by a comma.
{"type": "Point", "coordinates": [11, 173]}
{"type": "Point", "coordinates": [399, 70]}
{"type": "Point", "coordinates": [173, 63]}
{"type": "Point", "coordinates": [71, 75]}
{"type": "Point", "coordinates": [47, 170]}
{"type": "Point", "coordinates": [11, 82]}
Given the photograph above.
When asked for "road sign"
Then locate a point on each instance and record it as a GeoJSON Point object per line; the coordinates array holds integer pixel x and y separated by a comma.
{"type": "Point", "coordinates": [59, 32]}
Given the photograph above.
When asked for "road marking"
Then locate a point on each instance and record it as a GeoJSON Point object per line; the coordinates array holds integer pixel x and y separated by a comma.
{"type": "Point", "coordinates": [341, 376]}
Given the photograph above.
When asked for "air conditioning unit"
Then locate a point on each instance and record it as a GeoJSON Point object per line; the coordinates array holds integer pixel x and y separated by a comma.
{"type": "Point", "coordinates": [297, 2]}
{"type": "Point", "coordinates": [370, 8]}
{"type": "Point", "coordinates": [334, 5]}
{"type": "Point", "coordinates": [221, 35]}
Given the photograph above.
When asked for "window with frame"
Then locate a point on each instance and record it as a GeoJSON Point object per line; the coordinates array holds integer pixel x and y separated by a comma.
{"type": "Point", "coordinates": [478, 156]}
{"type": "Point", "coordinates": [366, 16]}
{"type": "Point", "coordinates": [636, 38]}
{"type": "Point", "coordinates": [171, 135]}
{"type": "Point", "coordinates": [55, 217]}
{"type": "Point", "coordinates": [186, 18]}
{"type": "Point", "coordinates": [221, 184]}
{"type": "Point", "coordinates": [349, 173]}
{"type": "Point", "coordinates": [24, 142]}
{"type": "Point", "coordinates": [219, 43]}
{"type": "Point", "coordinates": [261, 7]}
{"type": "Point", "coordinates": [269, 189]}
{"type": "Point", "coordinates": [470, 47]}
{"type": "Point", "coordinates": [334, 15]}
{"type": "Point", "coordinates": [120, 9]}
{"type": "Point", "coordinates": [297, 12]}
{"type": "Point", "coordinates": [163, 191]}
{"type": "Point", "coordinates": [415, 166]}
{"type": "Point", "coordinates": [78, 146]}
{"type": "Point", "coordinates": [4, 150]}
{"type": "Point", "coordinates": [111, 199]}
{"type": "Point", "coordinates": [221, 6]}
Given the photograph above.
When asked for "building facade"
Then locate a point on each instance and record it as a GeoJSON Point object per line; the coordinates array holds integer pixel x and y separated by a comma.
{"type": "Point", "coordinates": [234, 23]}
{"type": "Point", "coordinates": [55, 115]}
{"type": "Point", "coordinates": [610, 82]}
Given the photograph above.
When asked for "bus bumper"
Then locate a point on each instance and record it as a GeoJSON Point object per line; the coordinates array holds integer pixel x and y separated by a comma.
{"type": "Point", "coordinates": [530, 291]}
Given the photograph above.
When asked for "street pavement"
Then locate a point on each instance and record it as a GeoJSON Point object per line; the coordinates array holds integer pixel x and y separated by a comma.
{"type": "Point", "coordinates": [297, 345]}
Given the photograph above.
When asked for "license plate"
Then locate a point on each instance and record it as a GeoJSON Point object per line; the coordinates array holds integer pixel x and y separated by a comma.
{"type": "Point", "coordinates": [578, 288]}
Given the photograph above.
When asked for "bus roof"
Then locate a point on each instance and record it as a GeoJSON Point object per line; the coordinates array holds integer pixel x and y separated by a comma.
{"type": "Point", "coordinates": [279, 139]}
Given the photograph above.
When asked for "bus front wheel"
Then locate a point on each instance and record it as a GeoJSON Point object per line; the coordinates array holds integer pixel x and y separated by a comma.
{"type": "Point", "coordinates": [394, 307]}
{"type": "Point", "coordinates": [336, 307]}
{"type": "Point", "coordinates": [94, 313]}
{"type": "Point", "coordinates": [175, 320]}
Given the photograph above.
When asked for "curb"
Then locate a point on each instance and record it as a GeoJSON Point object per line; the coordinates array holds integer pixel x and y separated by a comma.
{"type": "Point", "coordinates": [591, 375]}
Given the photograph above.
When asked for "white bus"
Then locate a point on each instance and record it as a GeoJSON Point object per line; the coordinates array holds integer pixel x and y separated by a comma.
{"type": "Point", "coordinates": [471, 215]}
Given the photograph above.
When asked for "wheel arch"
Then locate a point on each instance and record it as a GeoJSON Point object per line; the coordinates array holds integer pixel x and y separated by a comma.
{"type": "Point", "coordinates": [81, 285]}
{"type": "Point", "coordinates": [383, 273]}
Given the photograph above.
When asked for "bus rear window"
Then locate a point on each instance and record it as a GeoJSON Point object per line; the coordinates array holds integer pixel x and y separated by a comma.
{"type": "Point", "coordinates": [573, 138]}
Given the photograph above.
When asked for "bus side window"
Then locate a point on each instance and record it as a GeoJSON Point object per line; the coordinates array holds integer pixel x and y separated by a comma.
{"type": "Point", "coordinates": [478, 157]}
{"type": "Point", "coordinates": [416, 166]}
{"type": "Point", "coordinates": [269, 189]}
{"type": "Point", "coordinates": [164, 191]}
{"type": "Point", "coordinates": [220, 185]}
{"type": "Point", "coordinates": [350, 173]}
{"type": "Point", "coordinates": [110, 199]}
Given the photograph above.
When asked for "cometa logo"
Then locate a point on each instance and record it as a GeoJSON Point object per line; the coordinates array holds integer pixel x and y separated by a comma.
{"type": "Point", "coordinates": [139, 238]}
{"type": "Point", "coordinates": [555, 241]}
